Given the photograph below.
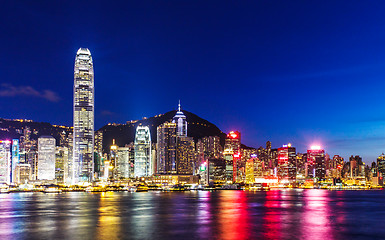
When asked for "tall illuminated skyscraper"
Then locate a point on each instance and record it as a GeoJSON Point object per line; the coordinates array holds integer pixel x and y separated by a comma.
{"type": "Point", "coordinates": [83, 144]}
{"type": "Point", "coordinates": [143, 163]}
{"type": "Point", "coordinates": [181, 122]}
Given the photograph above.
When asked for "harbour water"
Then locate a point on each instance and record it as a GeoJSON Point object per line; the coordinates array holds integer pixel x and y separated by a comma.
{"type": "Point", "coordinates": [276, 214]}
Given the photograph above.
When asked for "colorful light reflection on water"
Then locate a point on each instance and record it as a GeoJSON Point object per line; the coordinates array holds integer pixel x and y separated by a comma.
{"type": "Point", "coordinates": [281, 214]}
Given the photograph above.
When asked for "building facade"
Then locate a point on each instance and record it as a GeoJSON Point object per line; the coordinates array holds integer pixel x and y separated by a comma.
{"type": "Point", "coordinates": [23, 173]}
{"type": "Point", "coordinates": [315, 165]}
{"type": "Point", "coordinates": [5, 161]}
{"type": "Point", "coordinates": [233, 141]}
{"type": "Point", "coordinates": [181, 122]}
{"type": "Point", "coordinates": [46, 158]}
{"type": "Point", "coordinates": [166, 148]}
{"type": "Point", "coordinates": [185, 155]}
{"type": "Point", "coordinates": [83, 143]}
{"type": "Point", "coordinates": [286, 169]}
{"type": "Point", "coordinates": [123, 163]}
{"type": "Point", "coordinates": [381, 166]}
{"type": "Point", "coordinates": [61, 165]}
{"type": "Point", "coordinates": [15, 158]}
{"type": "Point", "coordinates": [143, 163]}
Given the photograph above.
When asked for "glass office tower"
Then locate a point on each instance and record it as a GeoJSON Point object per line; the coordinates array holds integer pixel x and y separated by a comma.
{"type": "Point", "coordinates": [142, 162]}
{"type": "Point", "coordinates": [83, 144]}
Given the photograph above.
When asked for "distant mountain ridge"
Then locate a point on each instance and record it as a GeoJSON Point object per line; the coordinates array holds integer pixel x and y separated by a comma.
{"type": "Point", "coordinates": [14, 128]}
{"type": "Point", "coordinates": [123, 134]}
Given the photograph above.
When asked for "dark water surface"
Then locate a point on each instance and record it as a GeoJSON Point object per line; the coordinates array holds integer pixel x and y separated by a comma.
{"type": "Point", "coordinates": [280, 214]}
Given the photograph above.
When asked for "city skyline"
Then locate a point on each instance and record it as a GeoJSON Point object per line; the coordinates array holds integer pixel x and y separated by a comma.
{"type": "Point", "coordinates": [329, 96]}
{"type": "Point", "coordinates": [192, 119]}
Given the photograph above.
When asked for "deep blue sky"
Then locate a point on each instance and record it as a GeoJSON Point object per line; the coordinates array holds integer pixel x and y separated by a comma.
{"type": "Point", "coordinates": [303, 72]}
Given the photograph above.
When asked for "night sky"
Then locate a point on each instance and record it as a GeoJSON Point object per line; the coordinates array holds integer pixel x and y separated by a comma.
{"type": "Point", "coordinates": [304, 72]}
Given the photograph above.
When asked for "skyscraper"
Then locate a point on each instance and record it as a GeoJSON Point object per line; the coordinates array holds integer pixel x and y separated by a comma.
{"type": "Point", "coordinates": [46, 158]}
{"type": "Point", "coordinates": [142, 165]}
{"type": "Point", "coordinates": [181, 122]}
{"type": "Point", "coordinates": [316, 162]}
{"type": "Point", "coordinates": [185, 155]}
{"type": "Point", "coordinates": [83, 144]}
{"type": "Point", "coordinates": [233, 141]}
{"type": "Point", "coordinates": [233, 144]}
{"type": "Point", "coordinates": [287, 163]}
{"type": "Point", "coordinates": [15, 158]}
{"type": "Point", "coordinates": [113, 156]}
{"type": "Point", "coordinates": [123, 163]}
{"type": "Point", "coordinates": [210, 146]}
{"type": "Point", "coordinates": [381, 165]}
{"type": "Point", "coordinates": [229, 161]}
{"type": "Point", "coordinates": [5, 161]}
{"type": "Point", "coordinates": [250, 171]}
{"type": "Point", "coordinates": [166, 154]}
{"type": "Point", "coordinates": [61, 165]}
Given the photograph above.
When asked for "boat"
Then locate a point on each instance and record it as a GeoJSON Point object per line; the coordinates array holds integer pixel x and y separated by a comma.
{"type": "Point", "coordinates": [141, 188]}
{"type": "Point", "coordinates": [178, 188]}
{"type": "Point", "coordinates": [154, 187]}
{"type": "Point", "coordinates": [258, 187]}
{"type": "Point", "coordinates": [52, 190]}
{"type": "Point", "coordinates": [95, 189]}
{"type": "Point", "coordinates": [129, 188]}
{"type": "Point", "coordinates": [4, 188]}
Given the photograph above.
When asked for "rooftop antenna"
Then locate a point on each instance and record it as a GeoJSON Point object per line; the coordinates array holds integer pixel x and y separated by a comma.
{"type": "Point", "coordinates": [179, 106]}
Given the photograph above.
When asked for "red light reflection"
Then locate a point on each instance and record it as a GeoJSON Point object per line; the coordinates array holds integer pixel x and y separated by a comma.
{"type": "Point", "coordinates": [271, 219]}
{"type": "Point", "coordinates": [234, 216]}
{"type": "Point", "coordinates": [315, 222]}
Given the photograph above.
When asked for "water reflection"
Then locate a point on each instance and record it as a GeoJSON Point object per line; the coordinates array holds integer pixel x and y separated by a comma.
{"type": "Point", "coordinates": [271, 218]}
{"type": "Point", "coordinates": [203, 214]}
{"type": "Point", "coordinates": [142, 214]}
{"type": "Point", "coordinates": [316, 224]}
{"type": "Point", "coordinates": [289, 214]}
{"type": "Point", "coordinates": [233, 214]}
{"type": "Point", "coordinates": [109, 220]}
{"type": "Point", "coordinates": [7, 223]}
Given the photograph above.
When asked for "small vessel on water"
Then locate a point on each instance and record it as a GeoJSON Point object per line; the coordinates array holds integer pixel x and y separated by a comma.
{"type": "Point", "coordinates": [142, 188]}
{"type": "Point", "coordinates": [258, 187]}
{"type": "Point", "coordinates": [52, 190]}
{"type": "Point", "coordinates": [4, 190]}
{"type": "Point", "coordinates": [95, 189]}
{"type": "Point", "coordinates": [178, 188]}
{"type": "Point", "coordinates": [129, 188]}
{"type": "Point", "coordinates": [154, 187]}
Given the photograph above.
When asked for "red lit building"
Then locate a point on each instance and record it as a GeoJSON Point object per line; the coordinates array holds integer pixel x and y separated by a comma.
{"type": "Point", "coordinates": [233, 145]}
{"type": "Point", "coordinates": [316, 167]}
{"type": "Point", "coordinates": [237, 168]}
{"type": "Point", "coordinates": [233, 141]}
{"type": "Point", "coordinates": [286, 169]}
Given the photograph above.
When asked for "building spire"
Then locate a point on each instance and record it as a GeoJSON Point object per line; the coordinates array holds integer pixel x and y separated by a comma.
{"type": "Point", "coordinates": [179, 106]}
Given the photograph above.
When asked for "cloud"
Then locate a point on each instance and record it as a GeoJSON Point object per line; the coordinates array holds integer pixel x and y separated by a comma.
{"type": "Point", "coordinates": [8, 90]}
{"type": "Point", "coordinates": [107, 113]}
